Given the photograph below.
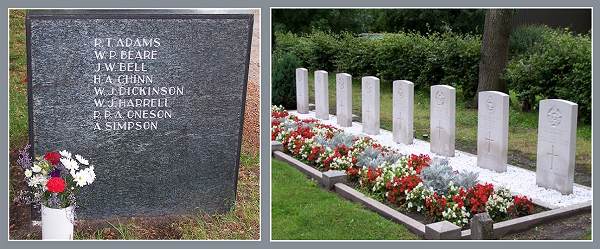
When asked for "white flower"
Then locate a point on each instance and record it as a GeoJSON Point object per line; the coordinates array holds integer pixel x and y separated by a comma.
{"type": "Point", "coordinates": [37, 180]}
{"type": "Point", "coordinates": [82, 160]}
{"type": "Point", "coordinates": [80, 178]}
{"type": "Point", "coordinates": [69, 163]}
{"type": "Point", "coordinates": [36, 168]}
{"type": "Point", "coordinates": [65, 153]}
{"type": "Point", "coordinates": [28, 173]}
{"type": "Point", "coordinates": [84, 177]}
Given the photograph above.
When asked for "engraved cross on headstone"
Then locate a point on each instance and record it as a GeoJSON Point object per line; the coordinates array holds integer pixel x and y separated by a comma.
{"type": "Point", "coordinates": [369, 96]}
{"type": "Point", "coordinates": [439, 127]}
{"type": "Point", "coordinates": [342, 101]}
{"type": "Point", "coordinates": [489, 140]}
{"type": "Point", "coordinates": [552, 156]}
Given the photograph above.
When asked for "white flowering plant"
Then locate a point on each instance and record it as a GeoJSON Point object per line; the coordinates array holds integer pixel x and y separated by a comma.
{"type": "Point", "coordinates": [55, 178]}
{"type": "Point", "coordinates": [499, 203]}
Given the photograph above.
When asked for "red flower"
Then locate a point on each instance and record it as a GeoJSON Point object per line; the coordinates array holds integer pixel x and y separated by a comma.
{"type": "Point", "coordinates": [282, 114]}
{"type": "Point", "coordinates": [522, 206]}
{"type": "Point", "coordinates": [418, 162]}
{"type": "Point", "coordinates": [435, 205]}
{"type": "Point", "coordinates": [409, 182]}
{"type": "Point", "coordinates": [372, 174]}
{"type": "Point", "coordinates": [52, 157]}
{"type": "Point", "coordinates": [478, 197]}
{"type": "Point", "coordinates": [56, 185]}
{"type": "Point", "coordinates": [351, 171]}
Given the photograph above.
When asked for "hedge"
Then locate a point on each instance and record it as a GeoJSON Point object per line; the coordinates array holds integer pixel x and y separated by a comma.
{"type": "Point", "coordinates": [556, 65]}
{"type": "Point", "coordinates": [544, 63]}
{"type": "Point", "coordinates": [283, 82]}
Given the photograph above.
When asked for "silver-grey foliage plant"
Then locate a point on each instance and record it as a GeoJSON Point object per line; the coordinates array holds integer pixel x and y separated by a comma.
{"type": "Point", "coordinates": [439, 175]}
{"type": "Point", "coordinates": [372, 157]}
{"type": "Point", "coordinates": [369, 157]}
{"type": "Point", "coordinates": [340, 138]}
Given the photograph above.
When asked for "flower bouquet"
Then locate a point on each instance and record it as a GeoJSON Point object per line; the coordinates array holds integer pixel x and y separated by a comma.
{"type": "Point", "coordinates": [54, 181]}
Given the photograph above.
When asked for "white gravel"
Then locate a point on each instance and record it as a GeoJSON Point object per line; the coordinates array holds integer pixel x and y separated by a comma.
{"type": "Point", "coordinates": [518, 180]}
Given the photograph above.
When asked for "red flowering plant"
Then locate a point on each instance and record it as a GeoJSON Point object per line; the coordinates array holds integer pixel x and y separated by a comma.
{"type": "Point", "coordinates": [418, 162]}
{"type": "Point", "coordinates": [353, 173]}
{"type": "Point", "coordinates": [522, 206]}
{"type": "Point", "coordinates": [435, 205]}
{"type": "Point", "coordinates": [477, 197]}
{"type": "Point", "coordinates": [278, 112]}
{"type": "Point", "coordinates": [54, 178]}
{"type": "Point", "coordinates": [399, 187]}
{"type": "Point", "coordinates": [369, 177]}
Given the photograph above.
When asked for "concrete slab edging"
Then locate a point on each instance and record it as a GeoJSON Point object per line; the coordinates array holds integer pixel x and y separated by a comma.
{"type": "Point", "coordinates": [307, 170]}
{"type": "Point", "coordinates": [380, 208]}
{"type": "Point", "coordinates": [522, 223]}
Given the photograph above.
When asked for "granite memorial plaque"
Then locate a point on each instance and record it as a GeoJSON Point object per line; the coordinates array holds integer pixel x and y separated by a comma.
{"type": "Point", "coordinates": [403, 111]}
{"type": "Point", "coordinates": [302, 90]}
{"type": "Point", "coordinates": [343, 99]}
{"type": "Point", "coordinates": [370, 105]}
{"type": "Point", "coordinates": [442, 119]}
{"type": "Point", "coordinates": [492, 130]}
{"type": "Point", "coordinates": [557, 127]}
{"type": "Point", "coordinates": [153, 98]}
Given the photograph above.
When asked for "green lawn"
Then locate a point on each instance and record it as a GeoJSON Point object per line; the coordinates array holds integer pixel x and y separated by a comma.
{"type": "Point", "coordinates": [301, 210]}
{"type": "Point", "coordinates": [522, 126]}
{"type": "Point", "coordinates": [18, 127]}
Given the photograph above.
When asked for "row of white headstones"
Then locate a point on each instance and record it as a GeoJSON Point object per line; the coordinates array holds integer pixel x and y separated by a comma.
{"type": "Point", "coordinates": [556, 127]}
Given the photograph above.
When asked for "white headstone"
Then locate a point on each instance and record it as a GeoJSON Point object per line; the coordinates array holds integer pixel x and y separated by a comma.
{"type": "Point", "coordinates": [557, 125]}
{"type": "Point", "coordinates": [343, 99]}
{"type": "Point", "coordinates": [403, 103]}
{"type": "Point", "coordinates": [302, 90]}
{"type": "Point", "coordinates": [442, 119]}
{"type": "Point", "coordinates": [321, 95]}
{"type": "Point", "coordinates": [370, 105]}
{"type": "Point", "coordinates": [492, 130]}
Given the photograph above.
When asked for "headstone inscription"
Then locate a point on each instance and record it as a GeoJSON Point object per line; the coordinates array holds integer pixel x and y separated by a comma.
{"type": "Point", "coordinates": [557, 126]}
{"type": "Point", "coordinates": [442, 119]}
{"type": "Point", "coordinates": [153, 98]}
{"type": "Point", "coordinates": [492, 130]}
{"type": "Point", "coordinates": [370, 105]}
{"type": "Point", "coordinates": [302, 90]}
{"type": "Point", "coordinates": [321, 95]}
{"type": "Point", "coordinates": [343, 99]}
{"type": "Point", "coordinates": [403, 101]}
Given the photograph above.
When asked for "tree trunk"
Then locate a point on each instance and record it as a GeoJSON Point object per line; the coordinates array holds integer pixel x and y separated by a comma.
{"type": "Point", "coordinates": [494, 50]}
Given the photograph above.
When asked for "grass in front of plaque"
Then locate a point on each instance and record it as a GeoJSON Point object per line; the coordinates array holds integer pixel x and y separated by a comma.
{"type": "Point", "coordinates": [242, 222]}
{"type": "Point", "coordinates": [301, 210]}
{"type": "Point", "coordinates": [522, 126]}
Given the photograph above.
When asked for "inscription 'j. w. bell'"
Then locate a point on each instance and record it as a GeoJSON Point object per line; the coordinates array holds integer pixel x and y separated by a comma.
{"type": "Point", "coordinates": [121, 67]}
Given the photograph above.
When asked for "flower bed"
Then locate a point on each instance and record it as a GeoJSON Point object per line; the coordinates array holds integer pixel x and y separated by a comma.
{"type": "Point", "coordinates": [414, 183]}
